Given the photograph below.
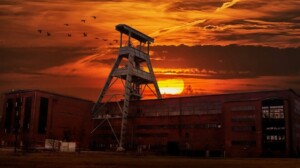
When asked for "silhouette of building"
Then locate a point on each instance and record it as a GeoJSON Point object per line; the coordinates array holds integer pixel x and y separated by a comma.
{"type": "Point", "coordinates": [32, 116]}
{"type": "Point", "coordinates": [253, 124]}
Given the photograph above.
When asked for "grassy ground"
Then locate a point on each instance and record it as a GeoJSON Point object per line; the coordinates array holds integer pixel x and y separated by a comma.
{"type": "Point", "coordinates": [109, 160]}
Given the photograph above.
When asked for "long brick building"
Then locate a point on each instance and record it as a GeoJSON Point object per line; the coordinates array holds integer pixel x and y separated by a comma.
{"type": "Point", "coordinates": [254, 124]}
{"type": "Point", "coordinates": [32, 116]}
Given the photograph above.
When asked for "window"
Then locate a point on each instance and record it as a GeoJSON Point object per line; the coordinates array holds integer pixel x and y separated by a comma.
{"type": "Point", "coordinates": [27, 114]}
{"type": "Point", "coordinates": [274, 112]}
{"type": "Point", "coordinates": [8, 115]}
{"type": "Point", "coordinates": [17, 114]}
{"type": "Point", "coordinates": [273, 124]}
{"type": "Point", "coordinates": [43, 115]}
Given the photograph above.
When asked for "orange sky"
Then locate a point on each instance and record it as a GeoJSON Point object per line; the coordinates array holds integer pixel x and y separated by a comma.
{"type": "Point", "coordinates": [209, 47]}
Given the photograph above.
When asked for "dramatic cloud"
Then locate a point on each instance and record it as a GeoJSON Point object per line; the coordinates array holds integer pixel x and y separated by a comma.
{"type": "Point", "coordinates": [215, 46]}
{"type": "Point", "coordinates": [34, 59]}
{"type": "Point", "coordinates": [229, 61]}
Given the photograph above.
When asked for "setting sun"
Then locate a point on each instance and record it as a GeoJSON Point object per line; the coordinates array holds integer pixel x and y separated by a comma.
{"type": "Point", "coordinates": [171, 86]}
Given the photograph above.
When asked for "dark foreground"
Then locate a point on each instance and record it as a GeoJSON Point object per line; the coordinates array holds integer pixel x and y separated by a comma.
{"type": "Point", "coordinates": [116, 160]}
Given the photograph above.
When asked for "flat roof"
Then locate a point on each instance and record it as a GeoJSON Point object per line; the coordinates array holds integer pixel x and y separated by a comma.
{"type": "Point", "coordinates": [20, 91]}
{"type": "Point", "coordinates": [123, 28]}
{"type": "Point", "coordinates": [224, 94]}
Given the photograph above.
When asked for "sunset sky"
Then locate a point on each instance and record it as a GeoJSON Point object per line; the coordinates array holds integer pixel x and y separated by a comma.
{"type": "Point", "coordinates": [200, 47]}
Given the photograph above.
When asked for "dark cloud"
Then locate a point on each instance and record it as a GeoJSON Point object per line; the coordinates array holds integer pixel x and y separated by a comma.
{"type": "Point", "coordinates": [249, 5]}
{"type": "Point", "coordinates": [295, 26]}
{"type": "Point", "coordinates": [230, 61]}
{"type": "Point", "coordinates": [17, 13]}
{"type": "Point", "coordinates": [9, 2]}
{"type": "Point", "coordinates": [272, 11]}
{"type": "Point", "coordinates": [31, 60]}
{"type": "Point", "coordinates": [41, 7]}
{"type": "Point", "coordinates": [259, 36]}
{"type": "Point", "coordinates": [289, 15]}
{"type": "Point", "coordinates": [294, 40]}
{"type": "Point", "coordinates": [108, 61]}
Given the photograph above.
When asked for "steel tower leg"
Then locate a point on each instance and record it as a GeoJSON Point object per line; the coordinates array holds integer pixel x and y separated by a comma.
{"type": "Point", "coordinates": [127, 98]}
{"type": "Point", "coordinates": [106, 85]}
{"type": "Point", "coordinates": [158, 95]}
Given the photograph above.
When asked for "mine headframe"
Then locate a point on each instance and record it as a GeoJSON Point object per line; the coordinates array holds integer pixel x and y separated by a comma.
{"type": "Point", "coordinates": [133, 75]}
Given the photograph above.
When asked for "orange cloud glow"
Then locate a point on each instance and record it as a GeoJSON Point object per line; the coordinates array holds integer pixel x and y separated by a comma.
{"type": "Point", "coordinates": [201, 47]}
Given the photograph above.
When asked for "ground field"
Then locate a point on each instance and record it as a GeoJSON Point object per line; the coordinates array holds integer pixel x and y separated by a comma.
{"type": "Point", "coordinates": [111, 160]}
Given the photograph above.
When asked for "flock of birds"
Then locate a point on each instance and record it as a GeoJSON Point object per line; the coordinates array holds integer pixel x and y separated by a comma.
{"type": "Point", "coordinates": [84, 34]}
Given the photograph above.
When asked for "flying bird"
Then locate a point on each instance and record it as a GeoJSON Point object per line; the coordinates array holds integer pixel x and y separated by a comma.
{"type": "Point", "coordinates": [110, 43]}
{"type": "Point", "coordinates": [69, 35]}
{"type": "Point", "coordinates": [83, 20]}
{"type": "Point", "coordinates": [96, 38]}
{"type": "Point", "coordinates": [66, 24]}
{"type": "Point", "coordinates": [104, 39]}
{"type": "Point", "coordinates": [94, 17]}
{"type": "Point", "coordinates": [48, 34]}
{"type": "Point", "coordinates": [39, 30]}
{"type": "Point", "coordinates": [84, 34]}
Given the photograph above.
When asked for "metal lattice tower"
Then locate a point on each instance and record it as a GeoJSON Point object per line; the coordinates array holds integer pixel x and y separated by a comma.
{"type": "Point", "coordinates": [133, 74]}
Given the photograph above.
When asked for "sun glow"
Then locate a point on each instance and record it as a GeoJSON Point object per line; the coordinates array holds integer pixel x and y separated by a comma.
{"type": "Point", "coordinates": [171, 86]}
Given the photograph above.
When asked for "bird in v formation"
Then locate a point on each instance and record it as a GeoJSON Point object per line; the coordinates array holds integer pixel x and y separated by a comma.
{"type": "Point", "coordinates": [85, 34]}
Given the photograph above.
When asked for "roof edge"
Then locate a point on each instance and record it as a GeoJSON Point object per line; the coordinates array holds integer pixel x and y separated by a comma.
{"type": "Point", "coordinates": [43, 91]}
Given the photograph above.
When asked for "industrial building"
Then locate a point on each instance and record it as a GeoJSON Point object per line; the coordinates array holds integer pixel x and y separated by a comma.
{"type": "Point", "coordinates": [255, 124]}
{"type": "Point", "coordinates": [30, 117]}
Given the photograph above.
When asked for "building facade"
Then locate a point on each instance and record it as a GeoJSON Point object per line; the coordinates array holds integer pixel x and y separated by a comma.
{"type": "Point", "coordinates": [233, 125]}
{"type": "Point", "coordinates": [32, 116]}
{"type": "Point", "coordinates": [252, 124]}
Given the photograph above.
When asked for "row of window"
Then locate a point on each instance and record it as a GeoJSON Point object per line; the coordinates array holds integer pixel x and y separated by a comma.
{"type": "Point", "coordinates": [243, 128]}
{"type": "Point", "coordinates": [176, 126]}
{"type": "Point", "coordinates": [243, 143]}
{"type": "Point", "coordinates": [275, 128]}
{"type": "Point", "coordinates": [272, 107]}
{"type": "Point", "coordinates": [157, 135]}
{"type": "Point", "coordinates": [168, 110]}
{"type": "Point", "coordinates": [243, 118]}
{"type": "Point", "coordinates": [176, 113]}
{"type": "Point", "coordinates": [275, 112]}
{"type": "Point", "coordinates": [275, 137]}
{"type": "Point", "coordinates": [156, 113]}
{"type": "Point", "coordinates": [243, 108]}
{"type": "Point", "coordinates": [185, 105]}
{"type": "Point", "coordinates": [172, 126]}
{"type": "Point", "coordinates": [12, 115]}
{"type": "Point", "coordinates": [274, 115]}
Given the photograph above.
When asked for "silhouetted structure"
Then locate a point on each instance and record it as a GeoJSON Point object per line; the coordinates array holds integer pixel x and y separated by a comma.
{"type": "Point", "coordinates": [135, 77]}
{"type": "Point", "coordinates": [253, 124]}
{"type": "Point", "coordinates": [36, 115]}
